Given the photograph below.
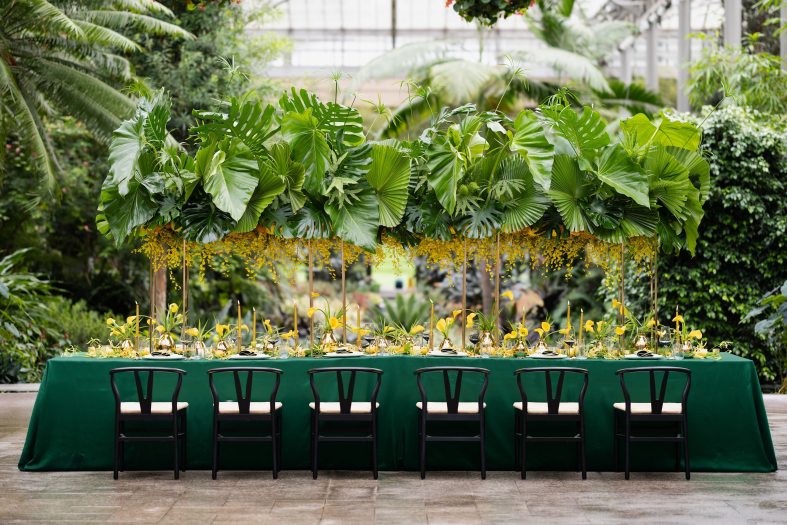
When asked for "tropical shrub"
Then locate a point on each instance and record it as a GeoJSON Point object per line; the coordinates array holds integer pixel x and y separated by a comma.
{"type": "Point", "coordinates": [742, 252]}
{"type": "Point", "coordinates": [773, 329]}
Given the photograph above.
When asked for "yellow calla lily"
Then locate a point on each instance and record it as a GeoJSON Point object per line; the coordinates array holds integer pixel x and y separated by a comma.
{"type": "Point", "coordinates": [173, 308]}
{"type": "Point", "coordinates": [620, 330]}
{"type": "Point", "coordinates": [417, 329]}
{"type": "Point", "coordinates": [160, 329]}
{"type": "Point", "coordinates": [456, 313]}
{"type": "Point", "coordinates": [267, 324]}
{"type": "Point", "coordinates": [469, 321]}
{"type": "Point", "coordinates": [441, 325]}
{"type": "Point", "coordinates": [334, 323]}
{"type": "Point", "coordinates": [130, 319]}
{"type": "Point", "coordinates": [508, 294]}
{"type": "Point", "coordinates": [310, 311]}
{"type": "Point", "coordinates": [523, 331]}
{"type": "Point", "coordinates": [651, 323]}
{"type": "Point", "coordinates": [510, 335]}
{"type": "Point", "coordinates": [545, 326]}
{"type": "Point", "coordinates": [589, 325]}
{"type": "Point", "coordinates": [110, 321]}
{"type": "Point", "coordinates": [193, 332]}
{"type": "Point", "coordinates": [695, 334]}
{"type": "Point", "coordinates": [677, 319]}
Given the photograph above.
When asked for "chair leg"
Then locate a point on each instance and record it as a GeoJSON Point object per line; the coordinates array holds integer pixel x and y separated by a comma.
{"type": "Point", "coordinates": [516, 440]}
{"type": "Point", "coordinates": [677, 446]}
{"type": "Point", "coordinates": [176, 445]}
{"type": "Point", "coordinates": [483, 448]}
{"type": "Point", "coordinates": [279, 441]}
{"type": "Point", "coordinates": [524, 446]}
{"type": "Point", "coordinates": [274, 446]}
{"type": "Point", "coordinates": [615, 441]}
{"type": "Point", "coordinates": [686, 447]}
{"type": "Point", "coordinates": [215, 470]}
{"type": "Point", "coordinates": [582, 457]}
{"type": "Point", "coordinates": [627, 447]}
{"type": "Point", "coordinates": [315, 444]}
{"type": "Point", "coordinates": [422, 444]}
{"type": "Point", "coordinates": [184, 441]}
{"type": "Point", "coordinates": [116, 452]}
{"type": "Point", "coordinates": [374, 446]}
{"type": "Point", "coordinates": [122, 447]}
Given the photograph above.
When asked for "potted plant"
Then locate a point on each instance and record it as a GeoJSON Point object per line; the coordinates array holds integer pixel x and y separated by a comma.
{"type": "Point", "coordinates": [329, 323]}
{"type": "Point", "coordinates": [167, 329]}
{"type": "Point", "coordinates": [199, 335]}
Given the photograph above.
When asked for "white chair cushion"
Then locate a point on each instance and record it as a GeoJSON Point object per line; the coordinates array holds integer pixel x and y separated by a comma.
{"type": "Point", "coordinates": [156, 407]}
{"type": "Point", "coordinates": [333, 407]}
{"type": "Point", "coordinates": [543, 408]}
{"type": "Point", "coordinates": [255, 407]}
{"type": "Point", "coordinates": [437, 407]}
{"type": "Point", "coordinates": [644, 408]}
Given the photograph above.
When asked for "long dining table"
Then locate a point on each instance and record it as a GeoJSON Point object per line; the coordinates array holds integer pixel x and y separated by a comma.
{"type": "Point", "coordinates": [71, 427]}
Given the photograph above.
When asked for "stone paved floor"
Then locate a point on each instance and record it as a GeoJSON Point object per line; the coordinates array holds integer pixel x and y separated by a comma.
{"type": "Point", "coordinates": [398, 497]}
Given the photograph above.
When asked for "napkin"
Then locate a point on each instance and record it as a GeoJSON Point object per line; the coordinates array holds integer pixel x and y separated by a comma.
{"type": "Point", "coordinates": [448, 351]}
{"type": "Point", "coordinates": [548, 352]}
{"type": "Point", "coordinates": [156, 352]}
{"type": "Point", "coordinates": [645, 353]}
{"type": "Point", "coordinates": [247, 353]}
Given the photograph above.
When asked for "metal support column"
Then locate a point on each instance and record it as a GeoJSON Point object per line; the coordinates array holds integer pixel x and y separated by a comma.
{"type": "Point", "coordinates": [626, 66]}
{"type": "Point", "coordinates": [732, 23]}
{"type": "Point", "coordinates": [783, 36]}
{"type": "Point", "coordinates": [652, 66]}
{"type": "Point", "coordinates": [684, 53]}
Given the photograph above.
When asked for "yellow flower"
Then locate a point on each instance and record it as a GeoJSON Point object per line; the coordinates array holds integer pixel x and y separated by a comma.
{"type": "Point", "coordinates": [620, 330]}
{"type": "Point", "coordinates": [469, 321]}
{"type": "Point", "coordinates": [160, 329]}
{"type": "Point", "coordinates": [510, 335]}
{"type": "Point", "coordinates": [151, 322]}
{"type": "Point", "coordinates": [599, 325]}
{"type": "Point", "coordinates": [540, 332]}
{"type": "Point", "coordinates": [221, 329]}
{"type": "Point", "coordinates": [695, 334]}
{"type": "Point", "coordinates": [545, 326]}
{"type": "Point", "coordinates": [456, 313]}
{"type": "Point", "coordinates": [173, 308]}
{"type": "Point", "coordinates": [589, 325]}
{"type": "Point", "coordinates": [508, 295]}
{"type": "Point", "coordinates": [315, 294]}
{"type": "Point", "coordinates": [334, 323]}
{"type": "Point", "coordinates": [193, 332]}
{"type": "Point", "coordinates": [288, 335]}
{"type": "Point", "coordinates": [651, 323]}
{"type": "Point", "coordinates": [565, 330]}
{"type": "Point", "coordinates": [417, 329]}
{"type": "Point", "coordinates": [441, 325]}
{"type": "Point", "coordinates": [110, 321]}
{"type": "Point", "coordinates": [615, 303]}
{"type": "Point", "coordinates": [677, 319]}
{"type": "Point", "coordinates": [244, 328]}
{"type": "Point", "coordinates": [310, 311]}
{"type": "Point", "coordinates": [130, 319]}
{"type": "Point", "coordinates": [523, 331]}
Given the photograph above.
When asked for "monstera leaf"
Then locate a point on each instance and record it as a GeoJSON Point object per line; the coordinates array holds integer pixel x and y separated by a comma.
{"type": "Point", "coordinates": [309, 145]}
{"type": "Point", "coordinates": [531, 143]}
{"type": "Point", "coordinates": [616, 169]}
{"type": "Point", "coordinates": [251, 122]}
{"type": "Point", "coordinates": [229, 173]}
{"type": "Point", "coordinates": [343, 123]}
{"type": "Point", "coordinates": [389, 176]}
{"type": "Point", "coordinates": [568, 191]}
{"type": "Point", "coordinates": [357, 223]}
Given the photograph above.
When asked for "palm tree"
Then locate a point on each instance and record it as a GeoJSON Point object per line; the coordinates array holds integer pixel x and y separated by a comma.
{"type": "Point", "coordinates": [67, 57]}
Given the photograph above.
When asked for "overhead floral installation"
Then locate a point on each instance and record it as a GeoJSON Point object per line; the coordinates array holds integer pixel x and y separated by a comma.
{"type": "Point", "coordinates": [488, 12]}
{"type": "Point", "coordinates": [269, 180]}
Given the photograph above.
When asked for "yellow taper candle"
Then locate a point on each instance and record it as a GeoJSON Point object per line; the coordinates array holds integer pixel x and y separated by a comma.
{"type": "Point", "coordinates": [568, 315]}
{"type": "Point", "coordinates": [240, 333]}
{"type": "Point", "coordinates": [431, 328]}
{"type": "Point", "coordinates": [581, 325]}
{"type": "Point", "coordinates": [253, 329]}
{"type": "Point", "coordinates": [677, 323]}
{"type": "Point", "coordinates": [136, 338]}
{"type": "Point", "coordinates": [295, 321]}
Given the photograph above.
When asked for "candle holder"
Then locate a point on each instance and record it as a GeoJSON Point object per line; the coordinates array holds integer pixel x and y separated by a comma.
{"type": "Point", "coordinates": [486, 344]}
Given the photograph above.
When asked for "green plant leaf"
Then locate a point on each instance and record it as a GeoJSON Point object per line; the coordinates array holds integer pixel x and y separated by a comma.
{"type": "Point", "coordinates": [344, 123]}
{"type": "Point", "coordinates": [309, 146]}
{"type": "Point", "coordinates": [616, 169]}
{"type": "Point", "coordinates": [446, 168]}
{"type": "Point", "coordinates": [641, 131]}
{"type": "Point", "coordinates": [249, 121]}
{"type": "Point", "coordinates": [669, 181]}
{"type": "Point", "coordinates": [531, 143]}
{"type": "Point", "coordinates": [526, 204]}
{"type": "Point", "coordinates": [483, 222]}
{"type": "Point", "coordinates": [203, 222]}
{"type": "Point", "coordinates": [124, 151]}
{"type": "Point", "coordinates": [568, 190]}
{"type": "Point", "coordinates": [291, 172]}
{"type": "Point", "coordinates": [229, 173]}
{"type": "Point", "coordinates": [271, 184]}
{"type": "Point", "coordinates": [699, 169]}
{"type": "Point", "coordinates": [585, 132]}
{"type": "Point", "coordinates": [358, 223]}
{"type": "Point", "coordinates": [389, 176]}
{"type": "Point", "coordinates": [126, 212]}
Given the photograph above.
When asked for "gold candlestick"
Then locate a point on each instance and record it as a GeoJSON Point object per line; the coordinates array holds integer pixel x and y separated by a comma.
{"type": "Point", "coordinates": [311, 296]}
{"type": "Point", "coordinates": [568, 316]}
{"type": "Point", "coordinates": [464, 292]}
{"type": "Point", "coordinates": [581, 327]}
{"type": "Point", "coordinates": [344, 299]}
{"type": "Point", "coordinates": [240, 333]}
{"type": "Point", "coordinates": [253, 329]}
{"type": "Point", "coordinates": [359, 328]}
{"type": "Point", "coordinates": [431, 327]}
{"type": "Point", "coordinates": [295, 322]}
{"type": "Point", "coordinates": [136, 336]}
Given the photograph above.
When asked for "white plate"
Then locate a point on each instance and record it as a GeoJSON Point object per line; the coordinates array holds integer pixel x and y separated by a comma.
{"type": "Point", "coordinates": [438, 353]}
{"type": "Point", "coordinates": [258, 356]}
{"type": "Point", "coordinates": [163, 357]}
{"type": "Point", "coordinates": [345, 354]}
{"type": "Point", "coordinates": [547, 356]}
{"type": "Point", "coordinates": [635, 356]}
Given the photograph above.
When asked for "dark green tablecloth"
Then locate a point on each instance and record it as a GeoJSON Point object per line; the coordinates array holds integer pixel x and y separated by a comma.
{"type": "Point", "coordinates": [71, 425]}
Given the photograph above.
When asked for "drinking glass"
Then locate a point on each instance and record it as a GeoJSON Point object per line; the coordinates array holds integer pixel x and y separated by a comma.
{"type": "Point", "coordinates": [664, 340]}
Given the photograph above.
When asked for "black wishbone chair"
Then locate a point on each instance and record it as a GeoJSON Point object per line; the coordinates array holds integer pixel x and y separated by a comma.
{"type": "Point", "coordinates": [657, 410]}
{"type": "Point", "coordinates": [244, 409]}
{"type": "Point", "coordinates": [346, 410]}
{"type": "Point", "coordinates": [555, 409]}
{"type": "Point", "coordinates": [144, 409]}
{"type": "Point", "coordinates": [452, 409]}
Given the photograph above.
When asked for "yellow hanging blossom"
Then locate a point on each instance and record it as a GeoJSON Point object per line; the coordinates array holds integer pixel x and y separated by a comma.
{"type": "Point", "coordinates": [511, 335]}
{"type": "Point", "coordinates": [130, 319]}
{"type": "Point", "coordinates": [523, 331]}
{"type": "Point", "coordinates": [289, 335]}
{"type": "Point", "coordinates": [160, 329]}
{"type": "Point", "coordinates": [110, 321]}
{"type": "Point", "coordinates": [508, 294]}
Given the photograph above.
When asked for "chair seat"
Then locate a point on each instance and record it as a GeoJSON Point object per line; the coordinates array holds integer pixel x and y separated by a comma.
{"type": "Point", "coordinates": [645, 408]}
{"type": "Point", "coordinates": [438, 407]}
{"type": "Point", "coordinates": [255, 407]}
{"type": "Point", "coordinates": [543, 409]}
{"type": "Point", "coordinates": [356, 407]}
{"type": "Point", "coordinates": [156, 407]}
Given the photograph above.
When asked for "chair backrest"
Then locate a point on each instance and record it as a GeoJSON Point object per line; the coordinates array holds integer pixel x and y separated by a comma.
{"type": "Point", "coordinates": [554, 395]}
{"type": "Point", "coordinates": [243, 388]}
{"type": "Point", "coordinates": [145, 398]}
{"type": "Point", "coordinates": [345, 394]}
{"type": "Point", "coordinates": [656, 398]}
{"type": "Point", "coordinates": [452, 398]}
